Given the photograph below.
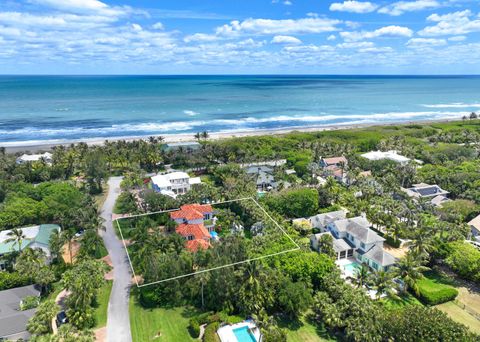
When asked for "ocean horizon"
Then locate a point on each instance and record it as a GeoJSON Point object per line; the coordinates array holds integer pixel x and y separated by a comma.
{"type": "Point", "coordinates": [50, 109]}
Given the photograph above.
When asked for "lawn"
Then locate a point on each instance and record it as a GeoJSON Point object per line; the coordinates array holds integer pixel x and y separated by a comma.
{"type": "Point", "coordinates": [401, 302]}
{"type": "Point", "coordinates": [102, 304]}
{"type": "Point", "coordinates": [459, 315]}
{"type": "Point", "coordinates": [159, 324]}
{"type": "Point", "coordinates": [305, 331]}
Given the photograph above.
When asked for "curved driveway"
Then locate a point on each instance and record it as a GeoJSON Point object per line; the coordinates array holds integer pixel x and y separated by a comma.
{"type": "Point", "coordinates": [118, 321]}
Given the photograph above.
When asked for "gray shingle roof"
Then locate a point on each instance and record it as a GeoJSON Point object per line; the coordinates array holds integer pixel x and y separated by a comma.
{"type": "Point", "coordinates": [12, 320]}
{"type": "Point", "coordinates": [359, 228]}
{"type": "Point", "coordinates": [259, 168]}
{"type": "Point", "coordinates": [324, 219]}
{"type": "Point", "coordinates": [381, 257]}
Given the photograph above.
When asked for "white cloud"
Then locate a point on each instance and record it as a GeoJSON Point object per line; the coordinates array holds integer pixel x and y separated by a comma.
{"type": "Point", "coordinates": [281, 26]}
{"type": "Point", "coordinates": [400, 7]}
{"type": "Point", "coordinates": [387, 31]}
{"type": "Point", "coordinates": [331, 37]}
{"type": "Point", "coordinates": [353, 7]}
{"type": "Point", "coordinates": [456, 23]}
{"type": "Point", "coordinates": [158, 26]}
{"type": "Point", "coordinates": [287, 3]}
{"type": "Point", "coordinates": [457, 38]}
{"type": "Point", "coordinates": [136, 27]}
{"type": "Point", "coordinates": [425, 42]}
{"type": "Point", "coordinates": [82, 6]}
{"type": "Point", "coordinates": [356, 45]}
{"type": "Point", "coordinates": [201, 37]}
{"type": "Point", "coordinates": [286, 40]}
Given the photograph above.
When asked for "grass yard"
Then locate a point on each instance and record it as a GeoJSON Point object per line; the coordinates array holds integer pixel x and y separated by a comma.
{"type": "Point", "coordinates": [159, 324]}
{"type": "Point", "coordinates": [459, 315]}
{"type": "Point", "coordinates": [102, 304]}
{"type": "Point", "coordinates": [405, 300]}
{"type": "Point", "coordinates": [305, 331]}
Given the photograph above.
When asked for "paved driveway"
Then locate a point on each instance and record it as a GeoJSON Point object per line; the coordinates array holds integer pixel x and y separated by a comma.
{"type": "Point", "coordinates": [118, 321]}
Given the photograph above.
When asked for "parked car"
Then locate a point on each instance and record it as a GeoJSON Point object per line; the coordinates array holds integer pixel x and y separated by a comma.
{"type": "Point", "coordinates": [61, 318]}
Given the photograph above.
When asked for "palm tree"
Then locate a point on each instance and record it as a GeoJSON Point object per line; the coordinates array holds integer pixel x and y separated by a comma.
{"type": "Point", "coordinates": [68, 236]}
{"type": "Point", "coordinates": [197, 136]}
{"type": "Point", "coordinates": [410, 269]}
{"type": "Point", "coordinates": [16, 236]}
{"type": "Point", "coordinates": [203, 278]}
{"type": "Point", "coordinates": [361, 275]}
{"type": "Point", "coordinates": [205, 135]}
{"type": "Point", "coordinates": [383, 283]}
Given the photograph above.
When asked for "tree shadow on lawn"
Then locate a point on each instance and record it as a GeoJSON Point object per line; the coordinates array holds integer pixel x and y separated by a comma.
{"type": "Point", "coordinates": [296, 324]}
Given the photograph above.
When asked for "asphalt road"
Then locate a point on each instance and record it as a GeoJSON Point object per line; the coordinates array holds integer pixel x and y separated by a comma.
{"type": "Point", "coordinates": [118, 321]}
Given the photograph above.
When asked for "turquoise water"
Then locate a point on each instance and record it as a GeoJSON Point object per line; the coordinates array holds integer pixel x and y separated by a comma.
{"type": "Point", "coordinates": [55, 108]}
{"type": "Point", "coordinates": [350, 268]}
{"type": "Point", "coordinates": [243, 335]}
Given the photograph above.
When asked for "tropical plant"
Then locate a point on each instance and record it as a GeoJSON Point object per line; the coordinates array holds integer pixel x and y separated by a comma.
{"type": "Point", "coordinates": [410, 269]}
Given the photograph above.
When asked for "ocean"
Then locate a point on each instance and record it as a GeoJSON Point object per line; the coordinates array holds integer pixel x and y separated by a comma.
{"type": "Point", "coordinates": [50, 109]}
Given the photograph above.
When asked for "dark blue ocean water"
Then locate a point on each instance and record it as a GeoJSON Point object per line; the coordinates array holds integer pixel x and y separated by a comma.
{"type": "Point", "coordinates": [57, 108]}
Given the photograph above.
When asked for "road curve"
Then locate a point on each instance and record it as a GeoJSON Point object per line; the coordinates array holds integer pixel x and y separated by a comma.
{"type": "Point", "coordinates": [118, 321]}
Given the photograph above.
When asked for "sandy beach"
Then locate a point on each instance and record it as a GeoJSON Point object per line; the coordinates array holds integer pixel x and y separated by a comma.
{"type": "Point", "coordinates": [17, 147]}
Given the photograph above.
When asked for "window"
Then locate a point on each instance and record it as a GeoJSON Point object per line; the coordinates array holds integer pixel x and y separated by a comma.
{"type": "Point", "coordinates": [374, 265]}
{"type": "Point", "coordinates": [190, 237]}
{"type": "Point", "coordinates": [362, 245]}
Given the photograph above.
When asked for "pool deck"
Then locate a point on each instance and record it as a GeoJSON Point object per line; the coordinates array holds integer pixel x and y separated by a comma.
{"type": "Point", "coordinates": [344, 262]}
{"type": "Point", "coordinates": [226, 332]}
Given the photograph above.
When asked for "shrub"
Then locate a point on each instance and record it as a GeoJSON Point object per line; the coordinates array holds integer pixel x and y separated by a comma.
{"type": "Point", "coordinates": [10, 280]}
{"type": "Point", "coordinates": [210, 334]}
{"type": "Point", "coordinates": [434, 289]}
{"type": "Point", "coordinates": [437, 296]}
{"type": "Point", "coordinates": [194, 328]}
{"type": "Point", "coordinates": [29, 302]}
{"type": "Point", "coordinates": [464, 259]}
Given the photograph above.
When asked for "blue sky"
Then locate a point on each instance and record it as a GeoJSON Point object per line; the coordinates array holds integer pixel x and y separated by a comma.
{"type": "Point", "coordinates": [235, 37]}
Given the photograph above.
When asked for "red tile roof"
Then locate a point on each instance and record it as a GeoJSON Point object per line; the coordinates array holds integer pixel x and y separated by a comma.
{"type": "Point", "coordinates": [191, 211]}
{"type": "Point", "coordinates": [198, 231]}
{"type": "Point", "coordinates": [194, 245]}
{"type": "Point", "coordinates": [335, 160]}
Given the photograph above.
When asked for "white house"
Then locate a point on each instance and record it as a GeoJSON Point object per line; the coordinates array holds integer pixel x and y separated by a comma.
{"type": "Point", "coordinates": [30, 158]}
{"type": "Point", "coordinates": [352, 237]}
{"type": "Point", "coordinates": [36, 237]}
{"type": "Point", "coordinates": [388, 155]}
{"type": "Point", "coordinates": [174, 183]}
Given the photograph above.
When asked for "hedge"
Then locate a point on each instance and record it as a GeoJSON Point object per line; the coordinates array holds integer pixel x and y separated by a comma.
{"type": "Point", "coordinates": [433, 289]}
{"type": "Point", "coordinates": [438, 296]}
{"type": "Point", "coordinates": [194, 328]}
{"type": "Point", "coordinates": [210, 334]}
{"type": "Point", "coordinates": [10, 280]}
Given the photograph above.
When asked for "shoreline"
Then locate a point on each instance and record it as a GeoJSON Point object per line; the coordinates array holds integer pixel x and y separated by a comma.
{"type": "Point", "coordinates": [38, 146]}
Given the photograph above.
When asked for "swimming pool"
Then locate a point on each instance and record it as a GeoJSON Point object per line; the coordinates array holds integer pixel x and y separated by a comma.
{"type": "Point", "coordinates": [349, 269]}
{"type": "Point", "coordinates": [243, 334]}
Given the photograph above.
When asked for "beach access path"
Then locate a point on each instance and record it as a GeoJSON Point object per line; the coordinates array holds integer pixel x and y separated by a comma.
{"type": "Point", "coordinates": [118, 320]}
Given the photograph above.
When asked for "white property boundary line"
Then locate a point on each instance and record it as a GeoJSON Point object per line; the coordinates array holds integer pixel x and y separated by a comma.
{"type": "Point", "coordinates": [297, 247]}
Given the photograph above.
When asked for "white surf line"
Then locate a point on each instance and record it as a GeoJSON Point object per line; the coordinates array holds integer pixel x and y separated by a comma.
{"type": "Point", "coordinates": [214, 268]}
{"type": "Point", "coordinates": [128, 255]}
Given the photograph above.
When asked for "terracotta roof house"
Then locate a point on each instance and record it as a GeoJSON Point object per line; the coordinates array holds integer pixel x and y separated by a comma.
{"type": "Point", "coordinates": [334, 167]}
{"type": "Point", "coordinates": [196, 224]}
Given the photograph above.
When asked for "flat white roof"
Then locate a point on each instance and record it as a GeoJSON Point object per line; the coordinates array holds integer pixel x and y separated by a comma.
{"type": "Point", "coordinates": [164, 181]}
{"type": "Point", "coordinates": [391, 155]}
{"type": "Point", "coordinates": [195, 180]}
{"type": "Point", "coordinates": [29, 232]}
{"type": "Point", "coordinates": [35, 157]}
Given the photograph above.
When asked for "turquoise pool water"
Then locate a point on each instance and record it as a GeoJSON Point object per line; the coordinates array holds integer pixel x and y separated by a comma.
{"type": "Point", "coordinates": [244, 335]}
{"type": "Point", "coordinates": [350, 268]}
